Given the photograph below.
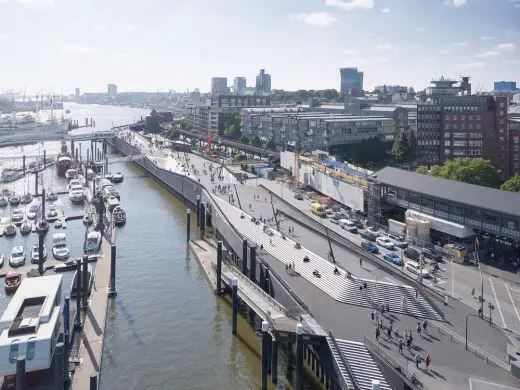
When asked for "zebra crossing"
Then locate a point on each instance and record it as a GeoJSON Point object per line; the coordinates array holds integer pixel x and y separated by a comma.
{"type": "Point", "coordinates": [400, 298]}
{"type": "Point", "coordinates": [362, 366]}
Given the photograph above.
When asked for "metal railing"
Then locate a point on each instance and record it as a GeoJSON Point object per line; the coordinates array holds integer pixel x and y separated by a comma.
{"type": "Point", "coordinates": [410, 379]}
{"type": "Point", "coordinates": [475, 349]}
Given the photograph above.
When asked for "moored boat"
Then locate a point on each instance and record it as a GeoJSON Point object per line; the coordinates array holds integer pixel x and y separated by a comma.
{"type": "Point", "coordinates": [64, 164]}
{"type": "Point", "coordinates": [10, 230]}
{"type": "Point", "coordinates": [27, 198]}
{"type": "Point", "coordinates": [119, 216]}
{"type": "Point", "coordinates": [35, 254]}
{"type": "Point", "coordinates": [12, 282]}
{"type": "Point", "coordinates": [117, 177]}
{"type": "Point", "coordinates": [25, 228]}
{"type": "Point", "coordinates": [14, 200]}
{"type": "Point", "coordinates": [52, 214]}
{"type": "Point", "coordinates": [77, 196]}
{"type": "Point", "coordinates": [17, 257]}
{"type": "Point", "coordinates": [52, 196]}
{"type": "Point", "coordinates": [33, 211]}
{"type": "Point", "coordinates": [87, 219]}
{"type": "Point", "coordinates": [17, 217]}
{"type": "Point", "coordinates": [3, 201]}
{"type": "Point", "coordinates": [112, 202]}
{"type": "Point", "coordinates": [71, 174]}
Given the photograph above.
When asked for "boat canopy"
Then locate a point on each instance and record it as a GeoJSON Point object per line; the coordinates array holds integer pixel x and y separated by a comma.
{"type": "Point", "coordinates": [64, 158]}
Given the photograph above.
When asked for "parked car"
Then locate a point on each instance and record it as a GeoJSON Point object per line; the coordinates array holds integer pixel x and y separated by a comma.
{"type": "Point", "coordinates": [369, 247]}
{"type": "Point", "coordinates": [399, 241]}
{"type": "Point", "coordinates": [358, 223]}
{"type": "Point", "coordinates": [416, 269]}
{"type": "Point", "coordinates": [298, 196]}
{"type": "Point", "coordinates": [431, 254]}
{"type": "Point", "coordinates": [374, 231]}
{"type": "Point", "coordinates": [348, 225]}
{"type": "Point", "coordinates": [385, 242]}
{"type": "Point", "coordinates": [412, 254]}
{"type": "Point", "coordinates": [393, 258]}
{"type": "Point", "coordinates": [368, 235]}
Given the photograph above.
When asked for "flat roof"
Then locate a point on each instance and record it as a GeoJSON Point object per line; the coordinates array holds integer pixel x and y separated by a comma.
{"type": "Point", "coordinates": [358, 119]}
{"type": "Point", "coordinates": [505, 202]}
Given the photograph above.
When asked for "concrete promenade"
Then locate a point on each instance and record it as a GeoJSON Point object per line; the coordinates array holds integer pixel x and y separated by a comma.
{"type": "Point", "coordinates": [452, 366]}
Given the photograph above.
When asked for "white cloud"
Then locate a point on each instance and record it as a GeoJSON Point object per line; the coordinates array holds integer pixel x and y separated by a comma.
{"type": "Point", "coordinates": [421, 29]}
{"type": "Point", "coordinates": [477, 64]}
{"type": "Point", "coordinates": [514, 62]}
{"type": "Point", "coordinates": [3, 36]}
{"type": "Point", "coordinates": [505, 47]}
{"type": "Point", "coordinates": [488, 54]}
{"type": "Point", "coordinates": [383, 59]}
{"type": "Point", "coordinates": [319, 19]}
{"type": "Point", "coordinates": [38, 3]}
{"type": "Point", "coordinates": [349, 52]}
{"type": "Point", "coordinates": [99, 27]}
{"type": "Point", "coordinates": [459, 44]}
{"type": "Point", "coordinates": [486, 38]}
{"type": "Point", "coordinates": [129, 27]}
{"type": "Point", "coordinates": [387, 47]}
{"type": "Point", "coordinates": [443, 52]}
{"type": "Point", "coordinates": [356, 61]}
{"type": "Point", "coordinates": [455, 3]}
{"type": "Point", "coordinates": [350, 4]}
{"type": "Point", "coordinates": [385, 10]}
{"type": "Point", "coordinates": [77, 50]}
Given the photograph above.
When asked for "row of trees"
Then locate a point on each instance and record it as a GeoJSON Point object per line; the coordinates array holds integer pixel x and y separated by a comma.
{"type": "Point", "coordinates": [404, 147]}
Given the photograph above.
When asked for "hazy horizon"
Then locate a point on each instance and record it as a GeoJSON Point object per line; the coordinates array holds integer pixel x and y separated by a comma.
{"type": "Point", "coordinates": [161, 45]}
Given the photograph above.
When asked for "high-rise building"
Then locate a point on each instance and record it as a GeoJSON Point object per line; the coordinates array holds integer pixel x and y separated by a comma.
{"type": "Point", "coordinates": [77, 93]}
{"type": "Point", "coordinates": [239, 85]}
{"type": "Point", "coordinates": [219, 86]}
{"type": "Point", "coordinates": [504, 86]}
{"type": "Point", "coordinates": [263, 83]}
{"type": "Point", "coordinates": [351, 81]}
{"type": "Point", "coordinates": [464, 126]}
{"type": "Point", "coordinates": [112, 91]}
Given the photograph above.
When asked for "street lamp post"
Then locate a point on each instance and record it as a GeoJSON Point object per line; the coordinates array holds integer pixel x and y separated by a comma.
{"type": "Point", "coordinates": [491, 307]}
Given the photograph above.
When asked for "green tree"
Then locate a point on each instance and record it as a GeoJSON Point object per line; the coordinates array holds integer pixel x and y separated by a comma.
{"type": "Point", "coordinates": [173, 133]}
{"type": "Point", "coordinates": [186, 125]}
{"type": "Point", "coordinates": [468, 170]}
{"type": "Point", "coordinates": [400, 148]}
{"type": "Point", "coordinates": [232, 132]}
{"type": "Point", "coordinates": [411, 143]}
{"type": "Point", "coordinates": [271, 145]}
{"type": "Point", "coordinates": [422, 169]}
{"type": "Point", "coordinates": [513, 184]}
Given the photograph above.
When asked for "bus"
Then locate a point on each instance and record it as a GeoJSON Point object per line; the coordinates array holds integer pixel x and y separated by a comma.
{"type": "Point", "coordinates": [318, 209]}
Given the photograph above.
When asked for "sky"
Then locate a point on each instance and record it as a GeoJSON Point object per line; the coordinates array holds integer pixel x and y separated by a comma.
{"type": "Point", "coordinates": [161, 45]}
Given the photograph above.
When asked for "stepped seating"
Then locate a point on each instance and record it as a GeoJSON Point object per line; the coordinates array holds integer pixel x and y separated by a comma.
{"type": "Point", "coordinates": [338, 286]}
{"type": "Point", "coordinates": [362, 366]}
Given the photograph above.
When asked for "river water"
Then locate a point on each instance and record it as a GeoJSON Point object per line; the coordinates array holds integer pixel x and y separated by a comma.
{"type": "Point", "coordinates": [165, 329]}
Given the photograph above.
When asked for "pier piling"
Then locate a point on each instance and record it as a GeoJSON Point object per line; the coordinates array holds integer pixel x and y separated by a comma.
{"type": "Point", "coordinates": [290, 355]}
{"type": "Point", "coordinates": [77, 324]}
{"type": "Point", "coordinates": [58, 364]}
{"type": "Point", "coordinates": [234, 300]}
{"type": "Point", "coordinates": [252, 269]}
{"type": "Point", "coordinates": [219, 267]}
{"type": "Point", "coordinates": [244, 256]}
{"type": "Point", "coordinates": [36, 184]}
{"type": "Point", "coordinates": [23, 164]}
{"type": "Point", "coordinates": [93, 382]}
{"type": "Point", "coordinates": [202, 219]}
{"type": "Point", "coordinates": [274, 362]}
{"type": "Point", "coordinates": [112, 292]}
{"type": "Point", "coordinates": [88, 157]}
{"type": "Point", "coordinates": [265, 347]}
{"type": "Point", "coordinates": [299, 357]}
{"type": "Point", "coordinates": [20, 373]}
{"type": "Point", "coordinates": [188, 225]}
{"type": "Point", "coordinates": [43, 204]}
{"type": "Point", "coordinates": [80, 154]}
{"type": "Point", "coordinates": [44, 156]}
{"type": "Point", "coordinates": [76, 155]}
{"type": "Point", "coordinates": [41, 243]}
{"type": "Point", "coordinates": [198, 210]}
{"type": "Point", "coordinates": [85, 284]}
{"type": "Point", "coordinates": [66, 339]}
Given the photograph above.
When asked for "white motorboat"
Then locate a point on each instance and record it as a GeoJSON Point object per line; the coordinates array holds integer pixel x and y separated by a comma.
{"type": "Point", "coordinates": [77, 196]}
{"type": "Point", "coordinates": [71, 174]}
{"type": "Point", "coordinates": [27, 198]}
{"type": "Point", "coordinates": [93, 242]}
{"type": "Point", "coordinates": [75, 183]}
{"type": "Point", "coordinates": [17, 257]}
{"type": "Point", "coordinates": [51, 214]}
{"type": "Point", "coordinates": [25, 227]}
{"type": "Point", "coordinates": [112, 202]}
{"type": "Point", "coordinates": [35, 254]}
{"type": "Point", "coordinates": [119, 216]}
{"type": "Point", "coordinates": [117, 177]}
{"type": "Point", "coordinates": [60, 250]}
{"type": "Point", "coordinates": [110, 191]}
{"type": "Point", "coordinates": [9, 175]}
{"type": "Point", "coordinates": [108, 176]}
{"type": "Point", "coordinates": [14, 200]}
{"type": "Point", "coordinates": [17, 216]}
{"type": "Point", "coordinates": [10, 230]}
{"type": "Point", "coordinates": [58, 224]}
{"type": "Point", "coordinates": [7, 192]}
{"type": "Point", "coordinates": [74, 284]}
{"type": "Point", "coordinates": [4, 201]}
{"type": "Point", "coordinates": [33, 211]}
{"type": "Point", "coordinates": [52, 196]}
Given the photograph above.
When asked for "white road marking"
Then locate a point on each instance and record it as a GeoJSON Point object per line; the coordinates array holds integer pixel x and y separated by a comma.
{"type": "Point", "coordinates": [497, 303]}
{"type": "Point", "coordinates": [512, 302]}
{"type": "Point", "coordinates": [514, 289]}
{"type": "Point", "coordinates": [489, 383]}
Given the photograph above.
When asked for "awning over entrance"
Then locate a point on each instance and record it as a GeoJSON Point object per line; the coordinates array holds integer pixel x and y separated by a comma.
{"type": "Point", "coordinates": [442, 225]}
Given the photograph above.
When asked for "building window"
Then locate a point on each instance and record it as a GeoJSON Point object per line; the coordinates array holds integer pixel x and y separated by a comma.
{"type": "Point", "coordinates": [479, 126]}
{"type": "Point", "coordinates": [501, 138]}
{"type": "Point", "coordinates": [13, 352]}
{"type": "Point", "coordinates": [462, 117]}
{"type": "Point", "coordinates": [447, 142]}
{"type": "Point", "coordinates": [455, 117]}
{"type": "Point", "coordinates": [501, 130]}
{"type": "Point", "coordinates": [470, 117]}
{"type": "Point", "coordinates": [460, 143]}
{"type": "Point", "coordinates": [501, 121]}
{"type": "Point", "coordinates": [502, 147]}
{"type": "Point", "coordinates": [501, 157]}
{"type": "Point", "coordinates": [516, 157]}
{"type": "Point", "coordinates": [516, 165]}
{"type": "Point", "coordinates": [516, 139]}
{"type": "Point", "coordinates": [31, 348]}
{"type": "Point", "coordinates": [479, 117]}
{"type": "Point", "coordinates": [447, 117]}
{"type": "Point", "coordinates": [501, 104]}
{"type": "Point", "coordinates": [501, 113]}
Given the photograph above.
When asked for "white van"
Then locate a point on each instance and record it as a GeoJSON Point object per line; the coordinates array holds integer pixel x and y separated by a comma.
{"type": "Point", "coordinates": [415, 268]}
{"type": "Point", "coordinates": [399, 241]}
{"type": "Point", "coordinates": [348, 225]}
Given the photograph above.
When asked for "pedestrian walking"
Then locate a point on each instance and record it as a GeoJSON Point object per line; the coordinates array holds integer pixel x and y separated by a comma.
{"type": "Point", "coordinates": [377, 333]}
{"type": "Point", "coordinates": [473, 292]}
{"type": "Point", "coordinates": [401, 347]}
{"type": "Point", "coordinates": [417, 360]}
{"type": "Point", "coordinates": [373, 315]}
{"type": "Point", "coordinates": [387, 307]}
{"type": "Point", "coordinates": [360, 262]}
{"type": "Point", "coordinates": [428, 360]}
{"type": "Point", "coordinates": [425, 326]}
{"type": "Point", "coordinates": [389, 332]}
{"type": "Point", "coordinates": [416, 294]}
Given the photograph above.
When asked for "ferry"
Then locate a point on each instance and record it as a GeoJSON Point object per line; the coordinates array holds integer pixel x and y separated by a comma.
{"type": "Point", "coordinates": [64, 160]}
{"type": "Point", "coordinates": [30, 327]}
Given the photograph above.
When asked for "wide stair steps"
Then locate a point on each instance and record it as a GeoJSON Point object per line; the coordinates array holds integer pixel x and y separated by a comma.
{"type": "Point", "coordinates": [339, 287]}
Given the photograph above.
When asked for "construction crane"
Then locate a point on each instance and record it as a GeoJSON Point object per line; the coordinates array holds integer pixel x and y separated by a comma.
{"type": "Point", "coordinates": [297, 151]}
